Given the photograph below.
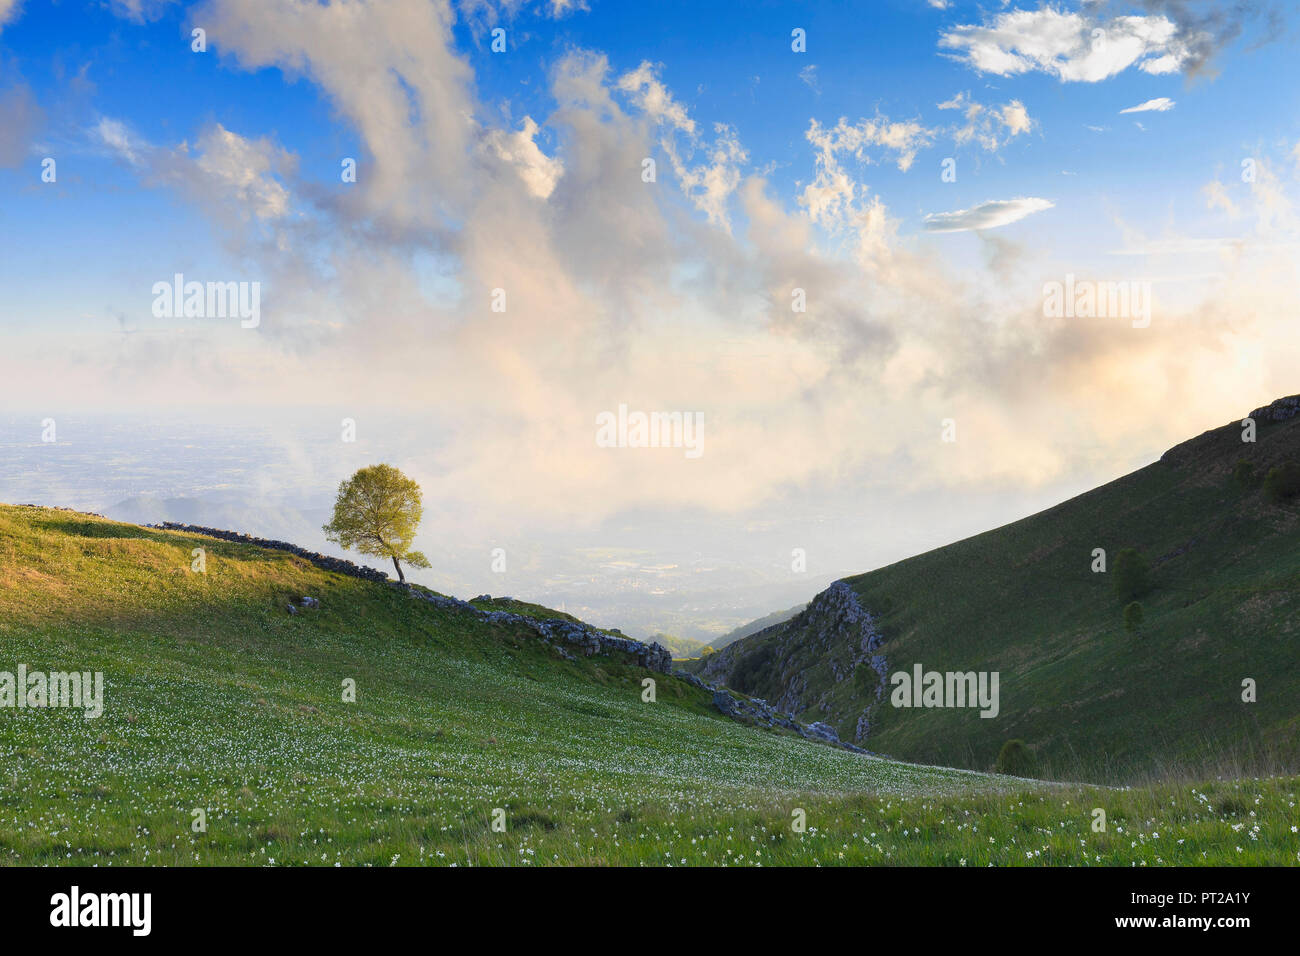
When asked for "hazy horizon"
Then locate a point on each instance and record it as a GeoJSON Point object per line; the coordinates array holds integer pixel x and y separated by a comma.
{"type": "Point", "coordinates": [694, 576]}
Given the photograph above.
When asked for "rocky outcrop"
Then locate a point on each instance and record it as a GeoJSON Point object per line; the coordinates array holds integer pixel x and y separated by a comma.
{"type": "Point", "coordinates": [834, 620]}
{"type": "Point", "coordinates": [75, 511]}
{"type": "Point", "coordinates": [307, 602]}
{"type": "Point", "coordinates": [1284, 409]}
{"type": "Point", "coordinates": [564, 635]}
{"type": "Point", "coordinates": [752, 710]}
{"type": "Point", "coordinates": [824, 732]}
{"type": "Point", "coordinates": [841, 620]}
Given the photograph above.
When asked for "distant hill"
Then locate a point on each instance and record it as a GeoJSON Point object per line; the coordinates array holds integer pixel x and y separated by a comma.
{"type": "Point", "coordinates": [753, 627]}
{"type": "Point", "coordinates": [686, 648]}
{"type": "Point", "coordinates": [682, 648]}
{"type": "Point", "coordinates": [1087, 696]}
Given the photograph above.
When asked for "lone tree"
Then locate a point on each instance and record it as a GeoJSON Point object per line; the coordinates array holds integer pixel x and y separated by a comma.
{"type": "Point", "coordinates": [1282, 482]}
{"type": "Point", "coordinates": [377, 512]}
{"type": "Point", "coordinates": [1015, 759]}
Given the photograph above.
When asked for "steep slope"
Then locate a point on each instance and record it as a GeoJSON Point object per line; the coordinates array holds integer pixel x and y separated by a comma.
{"type": "Point", "coordinates": [217, 699]}
{"type": "Point", "coordinates": [1087, 697]}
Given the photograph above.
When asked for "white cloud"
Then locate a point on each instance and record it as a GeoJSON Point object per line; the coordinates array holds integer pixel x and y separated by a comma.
{"type": "Point", "coordinates": [987, 215]}
{"type": "Point", "coordinates": [834, 199]}
{"type": "Point", "coordinates": [831, 193]}
{"type": "Point", "coordinates": [8, 11]}
{"type": "Point", "coordinates": [652, 98]}
{"type": "Point", "coordinates": [243, 170]}
{"type": "Point", "coordinates": [538, 171]}
{"type": "Point", "coordinates": [415, 174]}
{"type": "Point", "coordinates": [139, 10]}
{"type": "Point", "coordinates": [236, 173]}
{"type": "Point", "coordinates": [115, 135]}
{"type": "Point", "coordinates": [991, 127]}
{"type": "Point", "coordinates": [562, 8]}
{"type": "Point", "coordinates": [711, 185]}
{"type": "Point", "coordinates": [1070, 46]}
{"type": "Point", "coordinates": [481, 12]}
{"type": "Point", "coordinates": [830, 196]}
{"type": "Point", "coordinates": [1015, 118]}
{"type": "Point", "coordinates": [1159, 105]}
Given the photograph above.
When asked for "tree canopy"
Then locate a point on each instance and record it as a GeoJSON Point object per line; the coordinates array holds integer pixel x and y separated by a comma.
{"type": "Point", "coordinates": [1132, 574]}
{"type": "Point", "coordinates": [377, 512]}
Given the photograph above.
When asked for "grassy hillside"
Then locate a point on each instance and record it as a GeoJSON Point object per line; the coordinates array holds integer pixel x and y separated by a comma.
{"type": "Point", "coordinates": [217, 699]}
{"type": "Point", "coordinates": [1090, 698]}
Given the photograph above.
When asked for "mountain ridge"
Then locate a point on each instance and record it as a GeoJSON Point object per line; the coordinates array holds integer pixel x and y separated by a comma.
{"type": "Point", "coordinates": [1022, 600]}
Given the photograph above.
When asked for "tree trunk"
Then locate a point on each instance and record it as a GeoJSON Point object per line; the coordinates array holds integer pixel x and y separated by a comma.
{"type": "Point", "coordinates": [400, 576]}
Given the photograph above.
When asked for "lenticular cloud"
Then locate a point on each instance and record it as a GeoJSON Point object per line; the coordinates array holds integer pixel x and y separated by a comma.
{"type": "Point", "coordinates": [987, 215]}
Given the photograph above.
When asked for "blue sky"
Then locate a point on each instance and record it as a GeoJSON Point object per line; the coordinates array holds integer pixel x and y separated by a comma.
{"type": "Point", "coordinates": [726, 63]}
{"type": "Point", "coordinates": [779, 174]}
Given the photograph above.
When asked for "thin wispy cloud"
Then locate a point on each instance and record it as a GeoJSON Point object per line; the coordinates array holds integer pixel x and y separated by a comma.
{"type": "Point", "coordinates": [1161, 104]}
{"type": "Point", "coordinates": [987, 215]}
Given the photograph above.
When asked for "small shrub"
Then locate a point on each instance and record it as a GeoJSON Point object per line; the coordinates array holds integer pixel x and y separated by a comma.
{"type": "Point", "coordinates": [864, 678]}
{"type": "Point", "coordinates": [1015, 759]}
{"type": "Point", "coordinates": [1282, 482]}
{"type": "Point", "coordinates": [753, 671]}
{"type": "Point", "coordinates": [1132, 575]}
{"type": "Point", "coordinates": [1132, 616]}
{"type": "Point", "coordinates": [1244, 473]}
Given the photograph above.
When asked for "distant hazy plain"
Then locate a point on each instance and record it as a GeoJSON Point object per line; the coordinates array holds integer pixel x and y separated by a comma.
{"type": "Point", "coordinates": [694, 574]}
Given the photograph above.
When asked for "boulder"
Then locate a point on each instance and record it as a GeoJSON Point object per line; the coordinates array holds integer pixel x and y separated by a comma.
{"type": "Point", "coordinates": [725, 703]}
{"type": "Point", "coordinates": [824, 732]}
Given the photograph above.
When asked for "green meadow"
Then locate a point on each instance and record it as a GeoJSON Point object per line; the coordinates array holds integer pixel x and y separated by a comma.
{"type": "Point", "coordinates": [225, 739]}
